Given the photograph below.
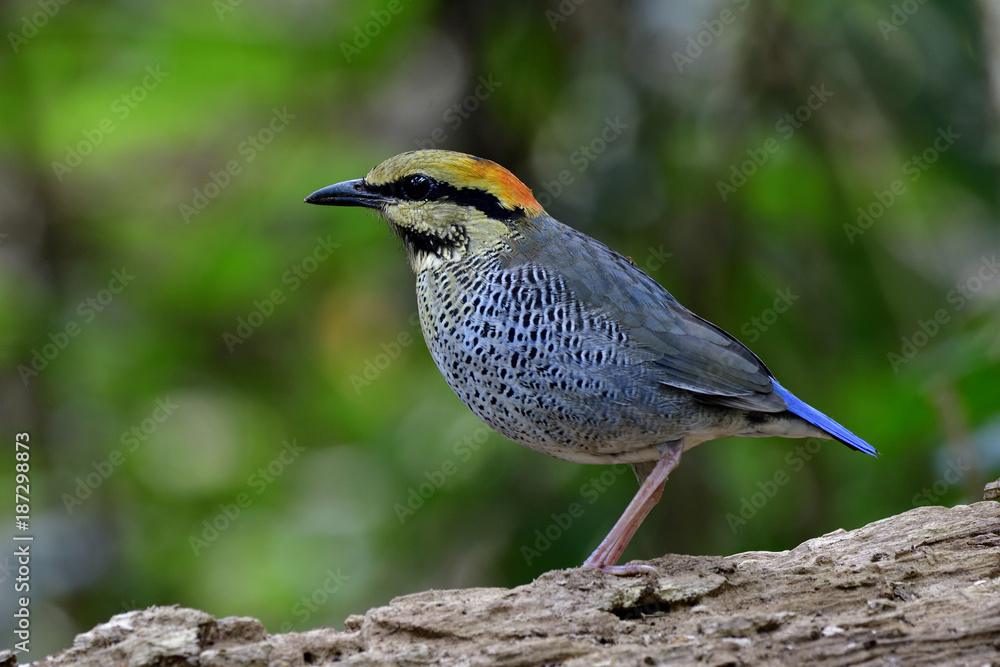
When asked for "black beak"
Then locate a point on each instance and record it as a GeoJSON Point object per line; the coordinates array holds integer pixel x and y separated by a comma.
{"type": "Point", "coordinates": [348, 193]}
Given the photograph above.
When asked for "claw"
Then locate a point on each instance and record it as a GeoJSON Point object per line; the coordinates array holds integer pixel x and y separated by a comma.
{"type": "Point", "coordinates": [627, 570]}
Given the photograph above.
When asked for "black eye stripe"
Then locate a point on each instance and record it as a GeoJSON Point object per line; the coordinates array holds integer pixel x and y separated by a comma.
{"type": "Point", "coordinates": [413, 184]}
{"type": "Point", "coordinates": [406, 187]}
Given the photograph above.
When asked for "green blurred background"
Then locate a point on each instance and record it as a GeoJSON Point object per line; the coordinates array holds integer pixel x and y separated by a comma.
{"type": "Point", "coordinates": [229, 402]}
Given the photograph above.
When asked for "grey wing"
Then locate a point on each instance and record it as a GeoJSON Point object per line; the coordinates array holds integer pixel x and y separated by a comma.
{"type": "Point", "coordinates": [682, 349]}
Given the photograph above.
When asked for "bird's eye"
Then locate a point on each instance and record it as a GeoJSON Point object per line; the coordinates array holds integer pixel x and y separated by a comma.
{"type": "Point", "coordinates": [417, 186]}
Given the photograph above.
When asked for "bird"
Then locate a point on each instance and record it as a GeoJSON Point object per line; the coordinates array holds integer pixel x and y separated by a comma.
{"type": "Point", "coordinates": [560, 343]}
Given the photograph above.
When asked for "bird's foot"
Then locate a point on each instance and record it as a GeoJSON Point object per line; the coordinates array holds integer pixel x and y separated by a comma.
{"type": "Point", "coordinates": [627, 570]}
{"type": "Point", "coordinates": [611, 547]}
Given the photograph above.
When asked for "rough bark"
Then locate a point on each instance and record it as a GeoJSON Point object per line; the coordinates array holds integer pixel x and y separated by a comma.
{"type": "Point", "coordinates": [921, 588]}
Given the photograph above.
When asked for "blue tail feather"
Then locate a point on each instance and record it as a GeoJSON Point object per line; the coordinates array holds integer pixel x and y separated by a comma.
{"type": "Point", "coordinates": [818, 419]}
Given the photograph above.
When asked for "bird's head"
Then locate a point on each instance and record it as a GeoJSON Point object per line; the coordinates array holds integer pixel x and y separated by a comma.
{"type": "Point", "coordinates": [444, 205]}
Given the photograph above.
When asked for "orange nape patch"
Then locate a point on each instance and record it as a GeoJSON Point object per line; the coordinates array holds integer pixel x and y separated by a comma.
{"type": "Point", "coordinates": [498, 181]}
{"type": "Point", "coordinates": [462, 171]}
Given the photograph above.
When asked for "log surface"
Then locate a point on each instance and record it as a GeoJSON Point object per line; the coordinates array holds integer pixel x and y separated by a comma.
{"type": "Point", "coordinates": [920, 588]}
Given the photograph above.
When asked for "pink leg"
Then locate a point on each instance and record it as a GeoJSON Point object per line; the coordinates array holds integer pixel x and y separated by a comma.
{"type": "Point", "coordinates": [610, 549]}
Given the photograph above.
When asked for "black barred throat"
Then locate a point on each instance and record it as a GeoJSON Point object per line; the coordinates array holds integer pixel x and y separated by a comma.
{"type": "Point", "coordinates": [428, 250]}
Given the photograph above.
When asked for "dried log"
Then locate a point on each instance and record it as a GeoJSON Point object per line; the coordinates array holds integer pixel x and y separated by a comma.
{"type": "Point", "coordinates": [920, 588]}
